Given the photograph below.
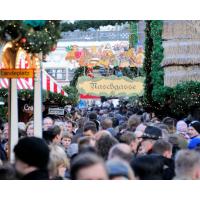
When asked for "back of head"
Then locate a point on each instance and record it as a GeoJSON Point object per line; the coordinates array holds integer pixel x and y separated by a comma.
{"type": "Point", "coordinates": [83, 160]}
{"type": "Point", "coordinates": [92, 116]}
{"type": "Point", "coordinates": [171, 123]}
{"type": "Point", "coordinates": [106, 123]}
{"type": "Point", "coordinates": [127, 137]}
{"type": "Point", "coordinates": [133, 122]}
{"type": "Point", "coordinates": [161, 146]}
{"type": "Point", "coordinates": [51, 133]}
{"type": "Point", "coordinates": [185, 162]}
{"type": "Point", "coordinates": [119, 169]}
{"type": "Point", "coordinates": [148, 167]}
{"type": "Point", "coordinates": [104, 144]}
{"type": "Point", "coordinates": [58, 158]}
{"type": "Point", "coordinates": [32, 151]}
{"type": "Point", "coordinates": [121, 151]}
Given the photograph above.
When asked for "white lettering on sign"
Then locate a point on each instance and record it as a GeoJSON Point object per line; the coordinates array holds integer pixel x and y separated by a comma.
{"type": "Point", "coordinates": [56, 111]}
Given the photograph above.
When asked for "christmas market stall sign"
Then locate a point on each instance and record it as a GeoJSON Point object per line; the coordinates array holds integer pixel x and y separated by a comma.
{"type": "Point", "coordinates": [111, 86]}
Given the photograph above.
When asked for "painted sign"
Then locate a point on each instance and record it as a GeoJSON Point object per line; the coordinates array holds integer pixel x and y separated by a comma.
{"type": "Point", "coordinates": [111, 86]}
{"type": "Point", "coordinates": [56, 111]}
{"type": "Point", "coordinates": [16, 73]}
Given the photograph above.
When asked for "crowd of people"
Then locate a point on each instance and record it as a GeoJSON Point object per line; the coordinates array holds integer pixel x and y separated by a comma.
{"type": "Point", "coordinates": [104, 143]}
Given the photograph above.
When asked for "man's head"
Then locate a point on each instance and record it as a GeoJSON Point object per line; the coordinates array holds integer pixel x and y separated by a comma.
{"type": "Point", "coordinates": [47, 122]}
{"type": "Point", "coordinates": [171, 123]}
{"type": "Point", "coordinates": [70, 126]}
{"type": "Point", "coordinates": [106, 123]}
{"type": "Point", "coordinates": [133, 122]}
{"type": "Point", "coordinates": [194, 129]}
{"type": "Point", "coordinates": [121, 151]}
{"type": "Point", "coordinates": [163, 148]}
{"type": "Point", "coordinates": [89, 129]}
{"type": "Point", "coordinates": [31, 153]}
{"type": "Point", "coordinates": [151, 134]}
{"type": "Point", "coordinates": [187, 165]}
{"type": "Point", "coordinates": [85, 142]}
{"type": "Point", "coordinates": [130, 139]}
{"type": "Point", "coordinates": [53, 135]}
{"type": "Point", "coordinates": [103, 145]}
{"type": "Point", "coordinates": [88, 166]}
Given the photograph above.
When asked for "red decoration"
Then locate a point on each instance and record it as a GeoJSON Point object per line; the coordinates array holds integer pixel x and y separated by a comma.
{"type": "Point", "coordinates": [23, 40]}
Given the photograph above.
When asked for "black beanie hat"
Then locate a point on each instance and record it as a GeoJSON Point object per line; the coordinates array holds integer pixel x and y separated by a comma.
{"type": "Point", "coordinates": [33, 151]}
{"type": "Point", "coordinates": [152, 132]}
{"type": "Point", "coordinates": [195, 125]}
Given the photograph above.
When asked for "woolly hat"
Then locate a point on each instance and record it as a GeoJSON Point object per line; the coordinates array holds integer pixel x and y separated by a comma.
{"type": "Point", "coordinates": [32, 151]}
{"type": "Point", "coordinates": [195, 125]}
{"type": "Point", "coordinates": [181, 127]}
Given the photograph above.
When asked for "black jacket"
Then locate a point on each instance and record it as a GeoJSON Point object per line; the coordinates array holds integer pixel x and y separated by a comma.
{"type": "Point", "coordinates": [37, 175]}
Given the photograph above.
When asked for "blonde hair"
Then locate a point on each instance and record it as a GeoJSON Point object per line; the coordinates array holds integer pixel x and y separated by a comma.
{"type": "Point", "coordinates": [58, 157]}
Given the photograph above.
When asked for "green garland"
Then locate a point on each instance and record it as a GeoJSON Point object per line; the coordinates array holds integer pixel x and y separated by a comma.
{"type": "Point", "coordinates": [133, 38]}
{"type": "Point", "coordinates": [148, 99]}
{"type": "Point", "coordinates": [176, 102]}
{"type": "Point", "coordinates": [157, 72]}
{"type": "Point", "coordinates": [34, 36]}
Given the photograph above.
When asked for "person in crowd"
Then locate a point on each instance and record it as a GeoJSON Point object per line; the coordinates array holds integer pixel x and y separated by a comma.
{"type": "Point", "coordinates": [148, 167]}
{"type": "Point", "coordinates": [22, 126]}
{"type": "Point", "coordinates": [52, 135]}
{"type": "Point", "coordinates": [30, 129]}
{"type": "Point", "coordinates": [130, 139]}
{"type": "Point", "coordinates": [133, 122]}
{"type": "Point", "coordinates": [194, 143]}
{"type": "Point", "coordinates": [171, 123]}
{"type": "Point", "coordinates": [58, 163]}
{"type": "Point", "coordinates": [61, 125]}
{"type": "Point", "coordinates": [31, 159]}
{"type": "Point", "coordinates": [194, 129]}
{"type": "Point", "coordinates": [151, 134]}
{"type": "Point", "coordinates": [47, 122]}
{"type": "Point", "coordinates": [5, 137]}
{"type": "Point", "coordinates": [120, 151]}
{"type": "Point", "coordinates": [164, 149]}
{"type": "Point", "coordinates": [3, 154]}
{"type": "Point", "coordinates": [85, 142]}
{"type": "Point", "coordinates": [107, 124]}
{"type": "Point", "coordinates": [70, 127]}
{"type": "Point", "coordinates": [119, 170]}
{"type": "Point", "coordinates": [99, 134]}
{"type": "Point", "coordinates": [89, 129]}
{"type": "Point", "coordinates": [66, 140]}
{"type": "Point", "coordinates": [88, 166]}
{"type": "Point", "coordinates": [187, 165]}
{"type": "Point", "coordinates": [93, 117]}
{"type": "Point", "coordinates": [72, 151]}
{"type": "Point", "coordinates": [182, 129]}
{"type": "Point", "coordinates": [104, 144]}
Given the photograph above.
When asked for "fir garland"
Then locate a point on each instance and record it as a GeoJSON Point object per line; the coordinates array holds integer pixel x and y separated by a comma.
{"type": "Point", "coordinates": [34, 36]}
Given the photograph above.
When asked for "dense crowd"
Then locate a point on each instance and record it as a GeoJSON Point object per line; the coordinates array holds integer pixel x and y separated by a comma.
{"type": "Point", "coordinates": [104, 143]}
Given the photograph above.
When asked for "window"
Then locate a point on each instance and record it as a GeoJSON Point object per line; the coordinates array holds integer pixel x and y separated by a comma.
{"type": "Point", "coordinates": [58, 74]}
